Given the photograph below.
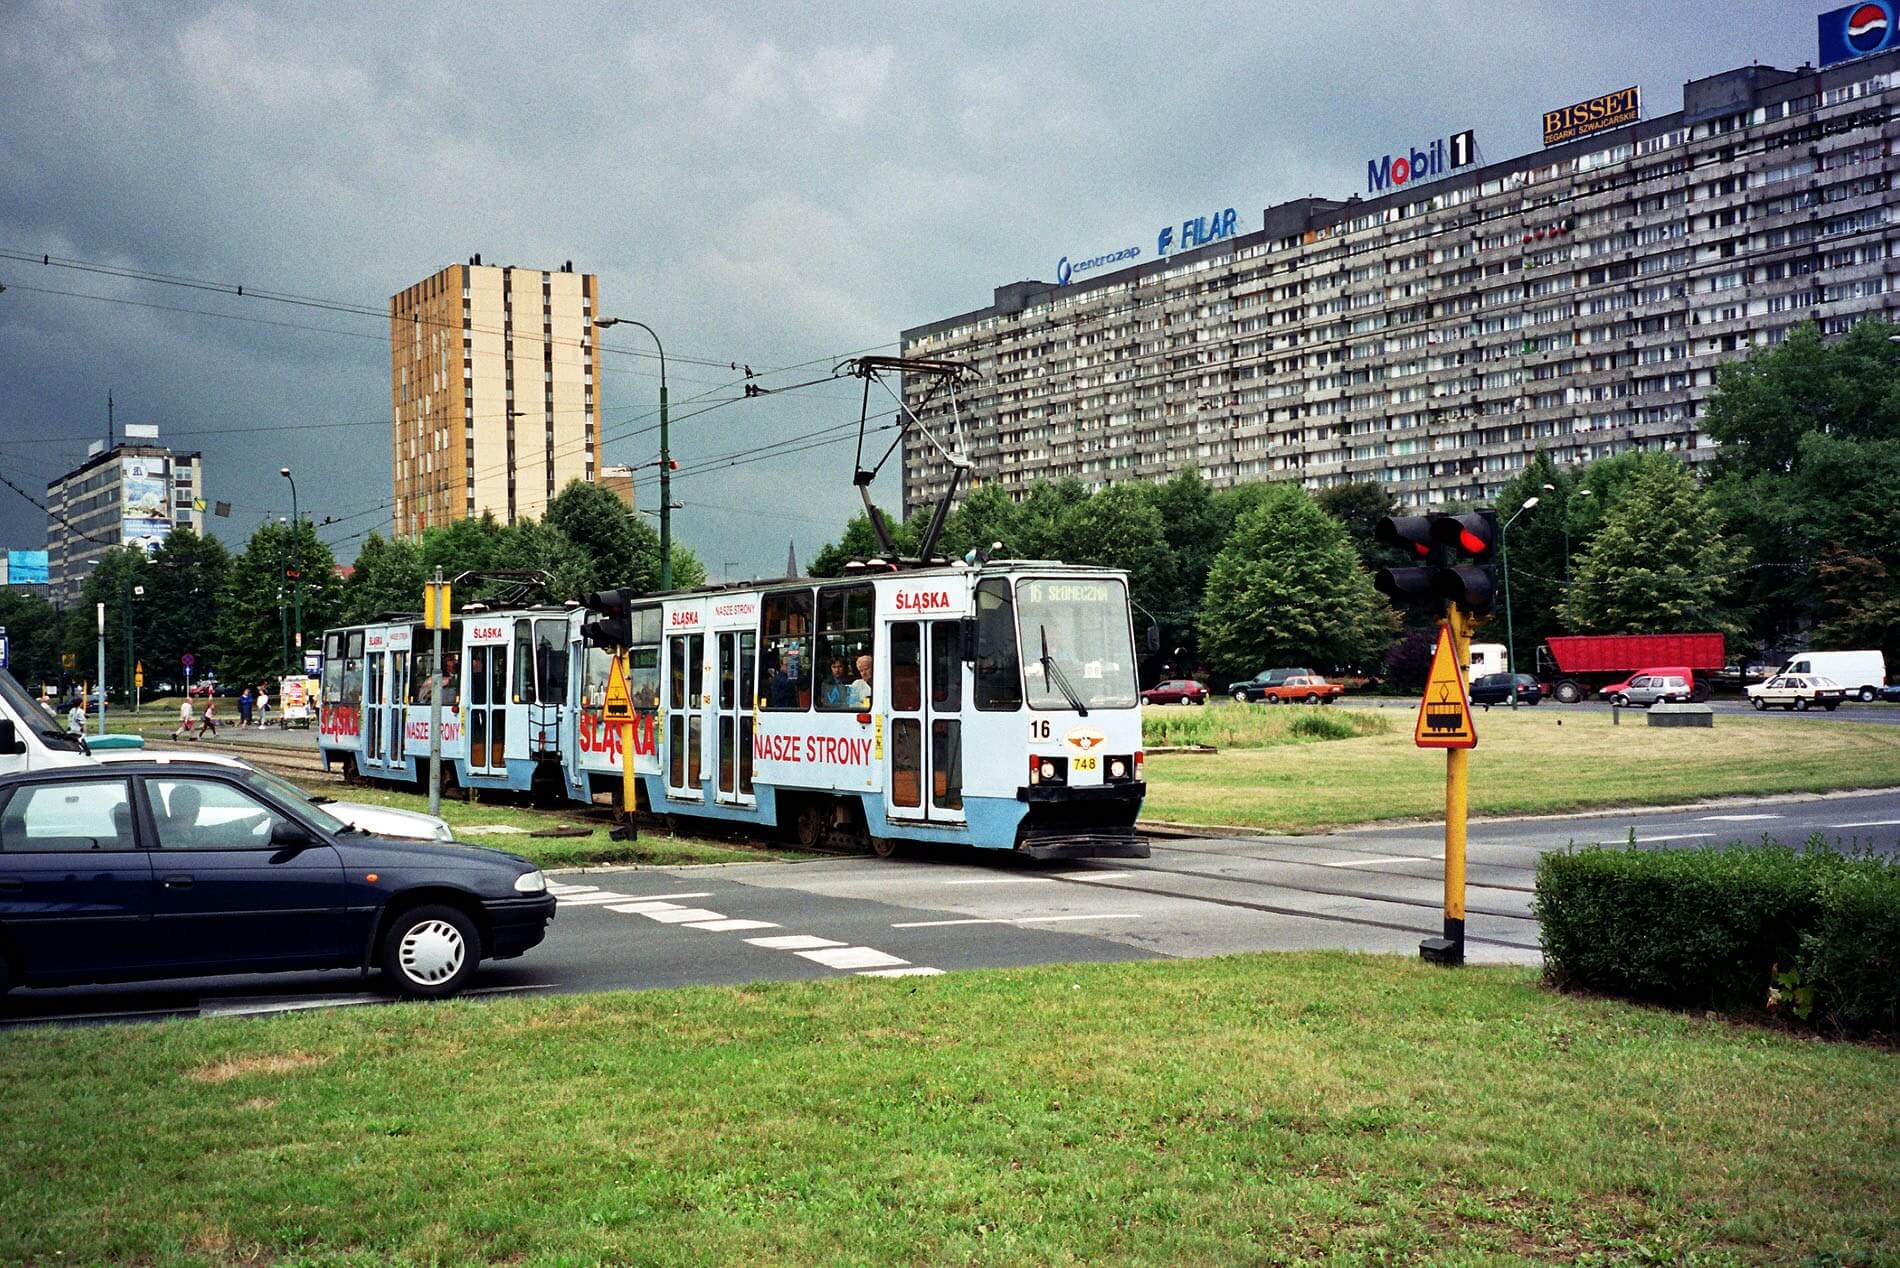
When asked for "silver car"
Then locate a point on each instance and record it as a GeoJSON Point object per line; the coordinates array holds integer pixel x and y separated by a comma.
{"type": "Point", "coordinates": [1647, 689]}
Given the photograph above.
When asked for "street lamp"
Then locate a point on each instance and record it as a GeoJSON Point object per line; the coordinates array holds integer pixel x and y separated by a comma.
{"type": "Point", "coordinates": [1580, 493]}
{"type": "Point", "coordinates": [666, 456]}
{"type": "Point", "coordinates": [296, 582]}
{"type": "Point", "coordinates": [1504, 562]}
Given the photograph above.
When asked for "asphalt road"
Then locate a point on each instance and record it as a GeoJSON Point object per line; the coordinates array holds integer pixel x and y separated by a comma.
{"type": "Point", "coordinates": [1852, 711]}
{"type": "Point", "coordinates": [1368, 889]}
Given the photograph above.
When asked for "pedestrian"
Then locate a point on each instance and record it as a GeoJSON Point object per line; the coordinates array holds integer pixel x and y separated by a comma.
{"type": "Point", "coordinates": [76, 717]}
{"type": "Point", "coordinates": [209, 724]}
{"type": "Point", "coordinates": [245, 704]}
{"type": "Point", "coordinates": [263, 707]}
{"type": "Point", "coordinates": [184, 718]}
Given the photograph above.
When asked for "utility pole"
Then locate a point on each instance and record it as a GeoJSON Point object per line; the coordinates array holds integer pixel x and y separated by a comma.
{"type": "Point", "coordinates": [1504, 563]}
{"type": "Point", "coordinates": [296, 571]}
{"type": "Point", "coordinates": [436, 610]}
{"type": "Point", "coordinates": [102, 669]}
{"type": "Point", "coordinates": [666, 455]}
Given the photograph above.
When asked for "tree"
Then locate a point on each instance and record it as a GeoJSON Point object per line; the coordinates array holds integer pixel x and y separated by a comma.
{"type": "Point", "coordinates": [986, 517]}
{"type": "Point", "coordinates": [860, 542]}
{"type": "Point", "coordinates": [1535, 548]}
{"type": "Point", "coordinates": [1762, 406]}
{"type": "Point", "coordinates": [114, 582]}
{"type": "Point", "coordinates": [255, 640]}
{"type": "Point", "coordinates": [179, 614]}
{"type": "Point", "coordinates": [32, 627]}
{"type": "Point", "coordinates": [1850, 490]}
{"type": "Point", "coordinates": [1288, 589]}
{"type": "Point", "coordinates": [1359, 507]}
{"type": "Point", "coordinates": [387, 578]}
{"type": "Point", "coordinates": [1660, 564]}
{"type": "Point", "coordinates": [1118, 528]}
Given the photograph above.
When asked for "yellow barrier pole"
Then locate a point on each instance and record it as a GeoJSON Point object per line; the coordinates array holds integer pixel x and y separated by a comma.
{"type": "Point", "coordinates": [627, 798]}
{"type": "Point", "coordinates": [1457, 791]}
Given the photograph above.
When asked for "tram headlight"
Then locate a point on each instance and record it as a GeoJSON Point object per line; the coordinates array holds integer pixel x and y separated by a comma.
{"type": "Point", "coordinates": [1046, 769]}
{"type": "Point", "coordinates": [1118, 769]}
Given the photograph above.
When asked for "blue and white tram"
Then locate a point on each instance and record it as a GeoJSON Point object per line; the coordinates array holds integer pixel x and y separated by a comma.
{"type": "Point", "coordinates": [503, 683]}
{"type": "Point", "coordinates": [992, 706]}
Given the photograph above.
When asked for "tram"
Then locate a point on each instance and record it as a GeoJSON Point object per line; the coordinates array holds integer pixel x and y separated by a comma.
{"type": "Point", "coordinates": [503, 684]}
{"type": "Point", "coordinates": [991, 705]}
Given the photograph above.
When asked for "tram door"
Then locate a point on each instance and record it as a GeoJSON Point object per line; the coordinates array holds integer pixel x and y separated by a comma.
{"type": "Point", "coordinates": [398, 678]}
{"type": "Point", "coordinates": [736, 695]}
{"type": "Point", "coordinates": [374, 726]}
{"type": "Point", "coordinates": [685, 731]}
{"type": "Point", "coordinates": [487, 697]}
{"type": "Point", "coordinates": [925, 673]}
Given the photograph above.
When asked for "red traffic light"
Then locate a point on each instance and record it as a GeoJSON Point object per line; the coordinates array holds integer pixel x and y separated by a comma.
{"type": "Point", "coordinates": [1474, 532]}
{"type": "Point", "coordinates": [1409, 533]}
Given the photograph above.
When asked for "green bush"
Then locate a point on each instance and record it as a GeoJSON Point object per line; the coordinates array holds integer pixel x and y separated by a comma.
{"type": "Point", "coordinates": [1711, 928]}
{"type": "Point", "coordinates": [1324, 726]}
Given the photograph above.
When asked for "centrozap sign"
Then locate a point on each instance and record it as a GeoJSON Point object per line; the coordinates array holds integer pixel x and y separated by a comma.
{"type": "Point", "coordinates": [1598, 114]}
{"type": "Point", "coordinates": [1413, 166]}
{"type": "Point", "coordinates": [1857, 30]}
{"type": "Point", "coordinates": [1067, 269]}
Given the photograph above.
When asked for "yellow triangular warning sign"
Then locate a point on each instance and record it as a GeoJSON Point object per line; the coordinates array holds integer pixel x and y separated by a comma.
{"type": "Point", "coordinates": [618, 705]}
{"type": "Point", "coordinates": [1444, 715]}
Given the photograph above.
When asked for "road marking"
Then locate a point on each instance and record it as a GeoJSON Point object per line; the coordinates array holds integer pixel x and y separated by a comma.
{"type": "Point", "coordinates": [939, 924]}
{"type": "Point", "coordinates": [1734, 818]}
{"type": "Point", "coordinates": [915, 970]}
{"type": "Point", "coordinates": [1870, 823]}
{"type": "Point", "coordinates": [680, 915]}
{"type": "Point", "coordinates": [729, 926]}
{"type": "Point", "coordinates": [632, 898]}
{"type": "Point", "coordinates": [793, 942]}
{"type": "Point", "coordinates": [1096, 876]}
{"type": "Point", "coordinates": [642, 908]}
{"type": "Point", "coordinates": [293, 1006]}
{"type": "Point", "coordinates": [593, 900]}
{"type": "Point", "coordinates": [1044, 920]}
{"type": "Point", "coordinates": [852, 958]}
{"type": "Point", "coordinates": [1678, 836]}
{"type": "Point", "coordinates": [1399, 858]}
{"type": "Point", "coordinates": [559, 890]}
{"type": "Point", "coordinates": [1006, 880]}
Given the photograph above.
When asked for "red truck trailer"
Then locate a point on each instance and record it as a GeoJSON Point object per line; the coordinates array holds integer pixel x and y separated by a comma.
{"type": "Point", "coordinates": [1574, 666]}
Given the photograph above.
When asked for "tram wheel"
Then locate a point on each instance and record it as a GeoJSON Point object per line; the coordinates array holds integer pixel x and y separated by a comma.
{"type": "Point", "coordinates": [886, 847]}
{"type": "Point", "coordinates": [350, 773]}
{"type": "Point", "coordinates": [811, 821]}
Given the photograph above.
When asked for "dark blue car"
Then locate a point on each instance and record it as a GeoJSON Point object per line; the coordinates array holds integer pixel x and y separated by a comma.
{"type": "Point", "coordinates": [149, 870]}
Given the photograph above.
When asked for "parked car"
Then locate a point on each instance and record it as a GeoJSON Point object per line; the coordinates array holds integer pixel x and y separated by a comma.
{"type": "Point", "coordinates": [1496, 689]}
{"type": "Point", "coordinates": [377, 821]}
{"type": "Point", "coordinates": [1176, 691]}
{"type": "Point", "coordinates": [1891, 692]}
{"type": "Point", "coordinates": [1652, 686]}
{"type": "Point", "coordinates": [144, 870]}
{"type": "Point", "coordinates": [1306, 689]}
{"type": "Point", "coordinates": [1797, 691]}
{"type": "Point", "coordinates": [1861, 674]}
{"type": "Point", "coordinates": [1254, 687]}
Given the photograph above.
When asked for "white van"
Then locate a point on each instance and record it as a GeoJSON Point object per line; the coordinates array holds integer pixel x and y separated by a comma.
{"type": "Point", "coordinates": [1485, 658]}
{"type": "Point", "coordinates": [30, 737]}
{"type": "Point", "coordinates": [1862, 673]}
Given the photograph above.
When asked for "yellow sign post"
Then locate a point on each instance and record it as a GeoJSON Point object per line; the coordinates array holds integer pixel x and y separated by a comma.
{"type": "Point", "coordinates": [436, 605]}
{"type": "Point", "coordinates": [436, 613]}
{"type": "Point", "coordinates": [1444, 721]}
{"type": "Point", "coordinates": [617, 706]}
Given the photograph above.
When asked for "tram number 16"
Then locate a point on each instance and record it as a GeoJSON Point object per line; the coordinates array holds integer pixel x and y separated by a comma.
{"type": "Point", "coordinates": [1038, 729]}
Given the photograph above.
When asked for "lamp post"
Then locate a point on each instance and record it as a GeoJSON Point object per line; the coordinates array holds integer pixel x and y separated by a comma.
{"type": "Point", "coordinates": [1580, 493]}
{"type": "Point", "coordinates": [1504, 562]}
{"type": "Point", "coordinates": [296, 580]}
{"type": "Point", "coordinates": [666, 456]}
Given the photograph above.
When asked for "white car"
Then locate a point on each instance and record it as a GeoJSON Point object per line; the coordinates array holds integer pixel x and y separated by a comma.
{"type": "Point", "coordinates": [377, 821]}
{"type": "Point", "coordinates": [1797, 691]}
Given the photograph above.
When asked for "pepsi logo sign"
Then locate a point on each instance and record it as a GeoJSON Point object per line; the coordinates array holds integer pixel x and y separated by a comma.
{"type": "Point", "coordinates": [1858, 30]}
{"type": "Point", "coordinates": [1868, 27]}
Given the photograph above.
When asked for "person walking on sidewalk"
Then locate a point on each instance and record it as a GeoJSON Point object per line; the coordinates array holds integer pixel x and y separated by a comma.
{"type": "Point", "coordinates": [245, 704]}
{"type": "Point", "coordinates": [209, 724]}
{"type": "Point", "coordinates": [263, 707]}
{"type": "Point", "coordinates": [184, 719]}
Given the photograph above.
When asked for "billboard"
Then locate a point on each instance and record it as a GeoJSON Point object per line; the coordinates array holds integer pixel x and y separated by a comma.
{"type": "Point", "coordinates": [146, 515]}
{"type": "Point", "coordinates": [24, 568]}
{"type": "Point", "coordinates": [1598, 114]}
{"type": "Point", "coordinates": [1412, 165]}
{"type": "Point", "coordinates": [1857, 30]}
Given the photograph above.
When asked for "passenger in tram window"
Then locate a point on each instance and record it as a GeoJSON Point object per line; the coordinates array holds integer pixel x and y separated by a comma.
{"type": "Point", "coordinates": [781, 688]}
{"type": "Point", "coordinates": [861, 689]}
{"type": "Point", "coordinates": [837, 689]}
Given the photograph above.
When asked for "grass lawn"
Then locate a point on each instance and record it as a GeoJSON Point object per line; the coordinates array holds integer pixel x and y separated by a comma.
{"type": "Point", "coordinates": [1271, 1109]}
{"type": "Point", "coordinates": [1226, 725]}
{"type": "Point", "coordinates": [1537, 761]}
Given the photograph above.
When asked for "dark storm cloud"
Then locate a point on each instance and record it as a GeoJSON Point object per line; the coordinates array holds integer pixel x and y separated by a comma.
{"type": "Point", "coordinates": [762, 184]}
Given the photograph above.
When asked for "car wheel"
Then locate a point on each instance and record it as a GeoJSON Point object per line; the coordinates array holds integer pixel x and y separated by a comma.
{"type": "Point", "coordinates": [1802, 704]}
{"type": "Point", "coordinates": [1831, 705]}
{"type": "Point", "coordinates": [1241, 696]}
{"type": "Point", "coordinates": [1620, 701]}
{"type": "Point", "coordinates": [431, 952]}
{"type": "Point", "coordinates": [1761, 706]}
{"type": "Point", "coordinates": [1312, 697]}
{"type": "Point", "coordinates": [1867, 695]}
{"type": "Point", "coordinates": [1569, 693]}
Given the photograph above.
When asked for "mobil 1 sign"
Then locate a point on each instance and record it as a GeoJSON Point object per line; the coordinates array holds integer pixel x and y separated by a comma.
{"type": "Point", "coordinates": [1412, 165]}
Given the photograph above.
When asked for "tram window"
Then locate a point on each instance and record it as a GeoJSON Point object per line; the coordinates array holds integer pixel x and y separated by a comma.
{"type": "Point", "coordinates": [595, 670]}
{"type": "Point", "coordinates": [645, 677]}
{"type": "Point", "coordinates": [946, 763]}
{"type": "Point", "coordinates": [907, 694]}
{"type": "Point", "coordinates": [353, 669]}
{"type": "Point", "coordinates": [844, 648]}
{"type": "Point", "coordinates": [646, 625]}
{"type": "Point", "coordinates": [524, 662]}
{"type": "Point", "coordinates": [424, 682]}
{"type": "Point", "coordinates": [785, 657]}
{"type": "Point", "coordinates": [333, 667]}
{"type": "Point", "coordinates": [946, 668]}
{"type": "Point", "coordinates": [999, 674]}
{"type": "Point", "coordinates": [550, 661]}
{"type": "Point", "coordinates": [478, 674]}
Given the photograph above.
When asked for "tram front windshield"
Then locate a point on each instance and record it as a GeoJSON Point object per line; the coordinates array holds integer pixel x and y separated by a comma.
{"type": "Point", "coordinates": [1084, 625]}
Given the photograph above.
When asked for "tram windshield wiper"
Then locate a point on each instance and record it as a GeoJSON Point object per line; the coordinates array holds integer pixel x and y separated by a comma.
{"type": "Point", "coordinates": [1054, 673]}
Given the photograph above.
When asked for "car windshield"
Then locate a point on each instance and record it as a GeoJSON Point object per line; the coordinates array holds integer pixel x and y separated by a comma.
{"type": "Point", "coordinates": [32, 717]}
{"type": "Point", "coordinates": [284, 790]}
{"type": "Point", "coordinates": [1084, 623]}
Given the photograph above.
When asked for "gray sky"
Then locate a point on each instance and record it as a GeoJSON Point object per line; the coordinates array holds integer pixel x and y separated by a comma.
{"type": "Point", "coordinates": [766, 184]}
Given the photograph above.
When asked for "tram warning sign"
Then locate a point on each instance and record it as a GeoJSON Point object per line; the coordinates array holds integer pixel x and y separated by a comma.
{"type": "Point", "coordinates": [618, 705]}
{"type": "Point", "coordinates": [1444, 715]}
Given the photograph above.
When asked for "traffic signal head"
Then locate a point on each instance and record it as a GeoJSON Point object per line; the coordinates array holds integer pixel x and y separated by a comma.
{"type": "Point", "coordinates": [1433, 540]}
{"type": "Point", "coordinates": [614, 626]}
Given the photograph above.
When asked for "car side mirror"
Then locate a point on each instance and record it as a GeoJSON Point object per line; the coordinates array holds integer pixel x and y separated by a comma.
{"type": "Point", "coordinates": [1154, 638]}
{"type": "Point", "coordinates": [10, 745]}
{"type": "Point", "coordinates": [286, 835]}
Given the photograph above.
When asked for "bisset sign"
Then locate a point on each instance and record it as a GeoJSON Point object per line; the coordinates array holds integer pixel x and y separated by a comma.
{"type": "Point", "coordinates": [1599, 114]}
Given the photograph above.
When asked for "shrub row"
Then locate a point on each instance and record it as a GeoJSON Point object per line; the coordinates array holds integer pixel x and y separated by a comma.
{"type": "Point", "coordinates": [1727, 928]}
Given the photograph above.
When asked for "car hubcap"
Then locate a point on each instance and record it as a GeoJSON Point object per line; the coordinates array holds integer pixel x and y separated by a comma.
{"type": "Point", "coordinates": [431, 952]}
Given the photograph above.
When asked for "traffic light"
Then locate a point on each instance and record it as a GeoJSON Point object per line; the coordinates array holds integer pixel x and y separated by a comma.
{"type": "Point", "coordinates": [1434, 541]}
{"type": "Point", "coordinates": [614, 626]}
